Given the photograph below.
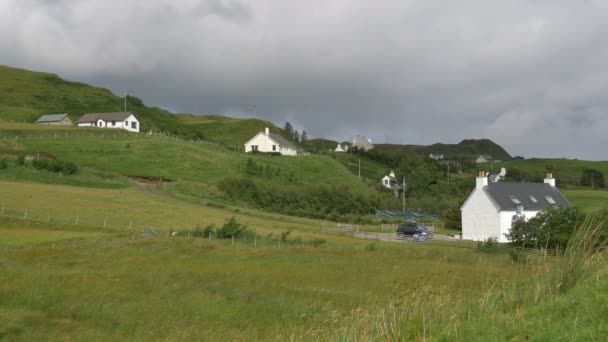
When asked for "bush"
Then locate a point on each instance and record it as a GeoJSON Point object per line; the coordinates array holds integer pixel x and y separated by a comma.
{"type": "Point", "coordinates": [56, 166]}
{"type": "Point", "coordinates": [233, 229]}
{"type": "Point", "coordinates": [21, 160]}
{"type": "Point", "coordinates": [209, 230]}
{"type": "Point", "coordinates": [3, 163]}
{"type": "Point", "coordinates": [317, 242]}
{"type": "Point", "coordinates": [491, 245]}
{"type": "Point", "coordinates": [549, 229]}
{"type": "Point", "coordinates": [370, 247]}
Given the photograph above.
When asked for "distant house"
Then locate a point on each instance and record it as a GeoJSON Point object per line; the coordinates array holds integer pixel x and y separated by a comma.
{"type": "Point", "coordinates": [363, 143]}
{"type": "Point", "coordinates": [267, 142]}
{"type": "Point", "coordinates": [55, 120]}
{"type": "Point", "coordinates": [491, 208]}
{"type": "Point", "coordinates": [119, 120]}
{"type": "Point", "coordinates": [436, 156]}
{"type": "Point", "coordinates": [499, 176]}
{"type": "Point", "coordinates": [391, 181]}
{"type": "Point", "coordinates": [483, 158]}
{"type": "Point", "coordinates": [340, 148]}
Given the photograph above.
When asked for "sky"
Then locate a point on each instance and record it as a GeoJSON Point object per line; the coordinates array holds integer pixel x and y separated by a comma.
{"type": "Point", "coordinates": [528, 74]}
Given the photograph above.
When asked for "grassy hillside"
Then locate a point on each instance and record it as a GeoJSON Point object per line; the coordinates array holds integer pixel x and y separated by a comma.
{"type": "Point", "coordinates": [25, 95]}
{"type": "Point", "coordinates": [466, 149]}
{"type": "Point", "coordinates": [227, 130]}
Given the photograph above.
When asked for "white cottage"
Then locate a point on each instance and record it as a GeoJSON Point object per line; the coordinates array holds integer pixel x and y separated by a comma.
{"type": "Point", "coordinates": [119, 120]}
{"type": "Point", "coordinates": [491, 208]}
{"type": "Point", "coordinates": [267, 142]}
{"type": "Point", "coordinates": [363, 143]}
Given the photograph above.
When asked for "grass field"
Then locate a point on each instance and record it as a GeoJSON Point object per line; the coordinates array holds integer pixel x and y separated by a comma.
{"type": "Point", "coordinates": [589, 200]}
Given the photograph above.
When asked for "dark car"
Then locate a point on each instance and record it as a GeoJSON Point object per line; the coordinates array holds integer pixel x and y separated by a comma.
{"type": "Point", "coordinates": [408, 227]}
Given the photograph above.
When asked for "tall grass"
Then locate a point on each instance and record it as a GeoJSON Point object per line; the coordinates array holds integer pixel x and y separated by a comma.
{"type": "Point", "coordinates": [428, 309]}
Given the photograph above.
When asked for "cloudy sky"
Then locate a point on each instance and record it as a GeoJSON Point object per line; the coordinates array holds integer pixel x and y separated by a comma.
{"type": "Point", "coordinates": [531, 75]}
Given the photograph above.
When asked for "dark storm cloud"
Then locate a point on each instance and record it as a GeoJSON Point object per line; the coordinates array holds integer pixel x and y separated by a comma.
{"type": "Point", "coordinates": [528, 74]}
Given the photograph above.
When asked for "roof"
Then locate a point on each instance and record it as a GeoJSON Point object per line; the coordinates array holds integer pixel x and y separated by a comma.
{"type": "Point", "coordinates": [504, 195]}
{"type": "Point", "coordinates": [282, 141]}
{"type": "Point", "coordinates": [51, 118]}
{"type": "Point", "coordinates": [92, 117]}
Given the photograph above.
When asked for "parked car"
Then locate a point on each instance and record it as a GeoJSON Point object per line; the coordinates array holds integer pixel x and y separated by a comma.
{"type": "Point", "coordinates": [410, 228]}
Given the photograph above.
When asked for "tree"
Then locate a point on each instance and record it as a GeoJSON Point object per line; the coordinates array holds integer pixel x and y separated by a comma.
{"type": "Point", "coordinates": [592, 178]}
{"type": "Point", "coordinates": [296, 136]}
{"type": "Point", "coordinates": [551, 229]}
{"type": "Point", "coordinates": [303, 137]}
{"type": "Point", "coordinates": [288, 129]}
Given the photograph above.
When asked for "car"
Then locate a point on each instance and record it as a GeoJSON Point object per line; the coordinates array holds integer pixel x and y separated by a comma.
{"type": "Point", "coordinates": [408, 227]}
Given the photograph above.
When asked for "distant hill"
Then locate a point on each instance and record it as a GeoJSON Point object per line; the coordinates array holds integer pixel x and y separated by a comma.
{"type": "Point", "coordinates": [466, 149]}
{"type": "Point", "coordinates": [227, 130]}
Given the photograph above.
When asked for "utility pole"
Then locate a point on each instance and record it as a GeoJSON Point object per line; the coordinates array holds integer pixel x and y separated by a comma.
{"type": "Point", "coordinates": [448, 172]}
{"type": "Point", "coordinates": [359, 168]}
{"type": "Point", "coordinates": [403, 191]}
{"type": "Point", "coordinates": [125, 100]}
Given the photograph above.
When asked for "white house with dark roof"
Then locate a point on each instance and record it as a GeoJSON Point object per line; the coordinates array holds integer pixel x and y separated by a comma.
{"type": "Point", "coordinates": [391, 181]}
{"type": "Point", "coordinates": [491, 208]}
{"type": "Point", "coordinates": [118, 120]}
{"type": "Point", "coordinates": [267, 142]}
{"type": "Point", "coordinates": [55, 120]}
{"type": "Point", "coordinates": [341, 149]}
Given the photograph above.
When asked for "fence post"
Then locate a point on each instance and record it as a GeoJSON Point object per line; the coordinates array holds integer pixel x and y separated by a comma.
{"type": "Point", "coordinates": [25, 216]}
{"type": "Point", "coordinates": [255, 242]}
{"type": "Point", "coordinates": [76, 220]}
{"type": "Point", "coordinates": [104, 221]}
{"type": "Point", "coordinates": [233, 240]}
{"type": "Point", "coordinates": [279, 243]}
{"type": "Point", "coordinates": [2, 210]}
{"type": "Point", "coordinates": [130, 222]}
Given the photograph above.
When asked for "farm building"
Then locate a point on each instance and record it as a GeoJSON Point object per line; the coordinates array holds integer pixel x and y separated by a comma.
{"type": "Point", "coordinates": [491, 208]}
{"type": "Point", "coordinates": [341, 149]}
{"type": "Point", "coordinates": [267, 142]}
{"type": "Point", "coordinates": [363, 143]}
{"type": "Point", "coordinates": [55, 120]}
{"type": "Point", "coordinates": [484, 158]}
{"type": "Point", "coordinates": [119, 120]}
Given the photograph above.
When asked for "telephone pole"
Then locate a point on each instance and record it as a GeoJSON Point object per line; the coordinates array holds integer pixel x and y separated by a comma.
{"type": "Point", "coordinates": [403, 193]}
{"type": "Point", "coordinates": [125, 100]}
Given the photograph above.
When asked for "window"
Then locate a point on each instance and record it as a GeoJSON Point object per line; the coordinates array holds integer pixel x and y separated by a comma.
{"type": "Point", "coordinates": [254, 148]}
{"type": "Point", "coordinates": [134, 125]}
{"type": "Point", "coordinates": [550, 199]}
{"type": "Point", "coordinates": [274, 147]}
{"type": "Point", "coordinates": [386, 182]}
{"type": "Point", "coordinates": [514, 199]}
{"type": "Point", "coordinates": [113, 123]}
{"type": "Point", "coordinates": [533, 199]}
{"type": "Point", "coordinates": [126, 123]}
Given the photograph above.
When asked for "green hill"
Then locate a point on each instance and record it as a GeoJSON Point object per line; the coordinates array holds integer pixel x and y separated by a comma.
{"type": "Point", "coordinates": [25, 95]}
{"type": "Point", "coordinates": [466, 149]}
{"type": "Point", "coordinates": [227, 130]}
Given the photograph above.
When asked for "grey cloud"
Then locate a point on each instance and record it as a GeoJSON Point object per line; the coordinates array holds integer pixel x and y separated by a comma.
{"type": "Point", "coordinates": [525, 73]}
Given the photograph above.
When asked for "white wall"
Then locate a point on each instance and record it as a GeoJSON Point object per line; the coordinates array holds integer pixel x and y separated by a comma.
{"type": "Point", "coordinates": [265, 145]}
{"type": "Point", "coordinates": [480, 217]}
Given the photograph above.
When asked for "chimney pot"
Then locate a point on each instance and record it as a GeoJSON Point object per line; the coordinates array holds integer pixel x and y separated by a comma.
{"type": "Point", "coordinates": [267, 131]}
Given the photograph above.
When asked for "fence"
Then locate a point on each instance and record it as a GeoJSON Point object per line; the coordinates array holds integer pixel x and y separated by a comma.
{"type": "Point", "coordinates": [432, 225]}
{"type": "Point", "coordinates": [107, 133]}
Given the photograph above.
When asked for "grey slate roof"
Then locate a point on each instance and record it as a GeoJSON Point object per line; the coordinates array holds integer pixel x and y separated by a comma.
{"type": "Point", "coordinates": [93, 117]}
{"type": "Point", "coordinates": [51, 118]}
{"type": "Point", "coordinates": [282, 141]}
{"type": "Point", "coordinates": [502, 192]}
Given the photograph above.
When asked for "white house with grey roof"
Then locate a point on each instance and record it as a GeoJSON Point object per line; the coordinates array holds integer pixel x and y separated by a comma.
{"type": "Point", "coordinates": [118, 120]}
{"type": "Point", "coordinates": [491, 208]}
{"type": "Point", "coordinates": [55, 120]}
{"type": "Point", "coordinates": [267, 142]}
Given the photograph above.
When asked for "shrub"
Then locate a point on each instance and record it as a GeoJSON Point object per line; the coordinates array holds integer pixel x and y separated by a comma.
{"type": "Point", "coordinates": [317, 242]}
{"type": "Point", "coordinates": [592, 178]}
{"type": "Point", "coordinates": [549, 229]}
{"type": "Point", "coordinates": [209, 230]}
{"type": "Point", "coordinates": [21, 160]}
{"type": "Point", "coordinates": [285, 235]}
{"type": "Point", "coordinates": [491, 245]}
{"type": "Point", "coordinates": [3, 163]}
{"type": "Point", "coordinates": [56, 166]}
{"type": "Point", "coordinates": [370, 247]}
{"type": "Point", "coordinates": [233, 229]}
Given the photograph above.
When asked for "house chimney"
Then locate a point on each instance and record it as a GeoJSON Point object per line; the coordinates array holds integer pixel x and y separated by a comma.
{"type": "Point", "coordinates": [392, 174]}
{"type": "Point", "coordinates": [549, 179]}
{"type": "Point", "coordinates": [267, 131]}
{"type": "Point", "coordinates": [482, 180]}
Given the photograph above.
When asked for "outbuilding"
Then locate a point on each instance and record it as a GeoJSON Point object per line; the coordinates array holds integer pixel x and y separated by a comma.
{"type": "Point", "coordinates": [55, 120]}
{"type": "Point", "coordinates": [118, 120]}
